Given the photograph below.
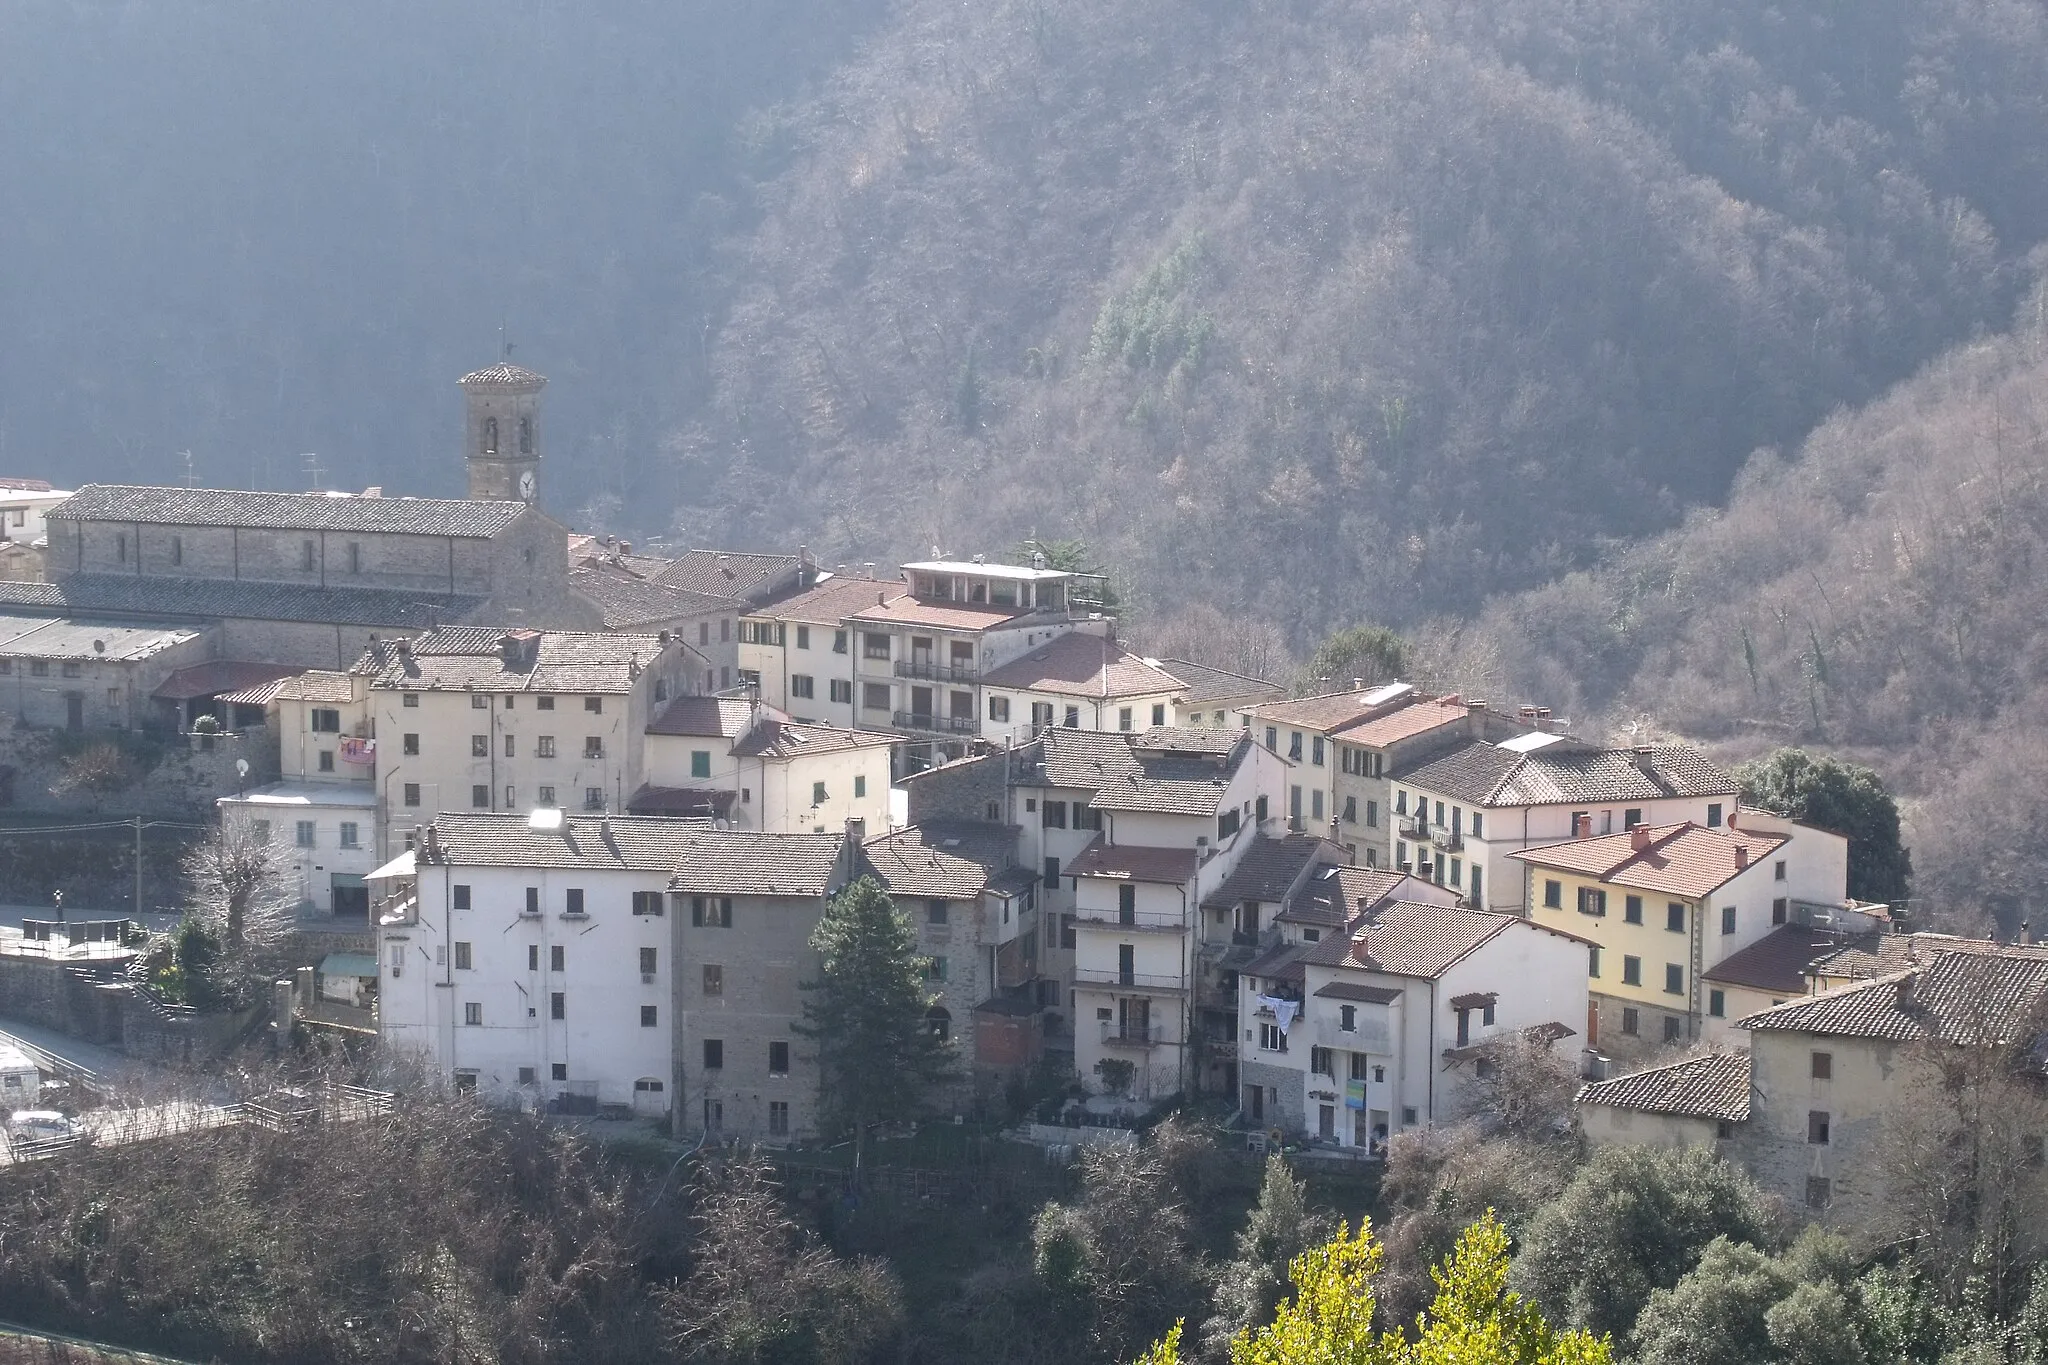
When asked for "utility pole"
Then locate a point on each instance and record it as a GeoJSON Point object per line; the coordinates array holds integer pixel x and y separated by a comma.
{"type": "Point", "coordinates": [138, 871]}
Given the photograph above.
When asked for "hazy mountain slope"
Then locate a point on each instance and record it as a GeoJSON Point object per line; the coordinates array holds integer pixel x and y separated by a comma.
{"type": "Point", "coordinates": [1333, 309]}
{"type": "Point", "coordinates": [1883, 590]}
{"type": "Point", "coordinates": [252, 229]}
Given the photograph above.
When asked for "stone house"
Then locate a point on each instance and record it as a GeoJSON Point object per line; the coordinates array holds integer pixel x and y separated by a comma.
{"type": "Point", "coordinates": [92, 674]}
{"type": "Point", "coordinates": [1692, 1102]}
{"type": "Point", "coordinates": [734, 758]}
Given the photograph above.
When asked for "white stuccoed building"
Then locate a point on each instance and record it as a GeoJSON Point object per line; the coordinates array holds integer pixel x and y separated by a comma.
{"type": "Point", "coordinates": [527, 958]}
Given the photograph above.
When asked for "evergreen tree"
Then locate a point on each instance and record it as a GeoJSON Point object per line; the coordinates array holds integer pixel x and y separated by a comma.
{"type": "Point", "coordinates": [1845, 799]}
{"type": "Point", "coordinates": [1248, 1288]}
{"type": "Point", "coordinates": [878, 1054]}
{"type": "Point", "coordinates": [1367, 654]}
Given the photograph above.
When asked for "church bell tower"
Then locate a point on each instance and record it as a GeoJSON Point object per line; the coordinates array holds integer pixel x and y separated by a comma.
{"type": "Point", "coordinates": [502, 432]}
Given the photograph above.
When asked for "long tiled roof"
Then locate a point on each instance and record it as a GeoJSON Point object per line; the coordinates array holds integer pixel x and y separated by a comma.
{"type": "Point", "coordinates": [1962, 998]}
{"type": "Point", "coordinates": [1677, 860]}
{"type": "Point", "coordinates": [1419, 718]}
{"type": "Point", "coordinates": [1083, 759]}
{"type": "Point", "coordinates": [1171, 775]}
{"type": "Point", "coordinates": [1335, 895]}
{"type": "Point", "coordinates": [316, 684]}
{"type": "Point", "coordinates": [721, 717]}
{"type": "Point", "coordinates": [1776, 963]}
{"type": "Point", "coordinates": [1082, 665]}
{"type": "Point", "coordinates": [950, 860]}
{"type": "Point", "coordinates": [723, 574]}
{"type": "Point", "coordinates": [1409, 938]}
{"type": "Point", "coordinates": [618, 842]}
{"type": "Point", "coordinates": [43, 637]}
{"type": "Point", "coordinates": [218, 676]}
{"type": "Point", "coordinates": [736, 862]}
{"type": "Point", "coordinates": [1328, 711]}
{"type": "Point", "coordinates": [905, 610]}
{"type": "Point", "coordinates": [1487, 775]}
{"type": "Point", "coordinates": [828, 603]}
{"type": "Point", "coordinates": [1269, 869]}
{"type": "Point", "coordinates": [470, 658]}
{"type": "Point", "coordinates": [628, 600]}
{"type": "Point", "coordinates": [1133, 862]}
{"type": "Point", "coordinates": [1882, 954]}
{"type": "Point", "coordinates": [463, 518]}
{"type": "Point", "coordinates": [216, 599]}
{"type": "Point", "coordinates": [1712, 1086]}
{"type": "Point", "coordinates": [1201, 683]}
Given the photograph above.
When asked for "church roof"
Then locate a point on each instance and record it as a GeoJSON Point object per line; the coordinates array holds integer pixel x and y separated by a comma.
{"type": "Point", "coordinates": [462, 518]}
{"type": "Point", "coordinates": [503, 375]}
{"type": "Point", "coordinates": [215, 599]}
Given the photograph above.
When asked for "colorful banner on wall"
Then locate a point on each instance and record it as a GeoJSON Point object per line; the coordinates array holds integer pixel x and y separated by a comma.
{"type": "Point", "coordinates": [1354, 1094]}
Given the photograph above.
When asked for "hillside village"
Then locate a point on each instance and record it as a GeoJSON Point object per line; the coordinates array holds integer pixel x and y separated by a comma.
{"type": "Point", "coordinates": [565, 814]}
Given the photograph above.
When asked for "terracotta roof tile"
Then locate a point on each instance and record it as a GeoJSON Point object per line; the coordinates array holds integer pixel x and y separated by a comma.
{"type": "Point", "coordinates": [951, 860]}
{"type": "Point", "coordinates": [1882, 954]}
{"type": "Point", "coordinates": [1271, 869]}
{"type": "Point", "coordinates": [213, 678]}
{"type": "Point", "coordinates": [618, 842]}
{"type": "Point", "coordinates": [1777, 962]}
{"type": "Point", "coordinates": [1172, 776]}
{"type": "Point", "coordinates": [1377, 732]}
{"type": "Point", "coordinates": [503, 375]}
{"type": "Point", "coordinates": [1488, 775]}
{"type": "Point", "coordinates": [710, 717]}
{"type": "Point", "coordinates": [1201, 683]}
{"type": "Point", "coordinates": [470, 658]}
{"type": "Point", "coordinates": [1678, 860]}
{"type": "Point", "coordinates": [1331, 711]}
{"type": "Point", "coordinates": [316, 684]}
{"type": "Point", "coordinates": [1408, 938]}
{"type": "Point", "coordinates": [910, 611]}
{"type": "Point", "coordinates": [628, 600]}
{"type": "Point", "coordinates": [1082, 665]}
{"type": "Point", "coordinates": [215, 599]}
{"type": "Point", "coordinates": [828, 603]}
{"type": "Point", "coordinates": [1713, 1086]}
{"type": "Point", "coordinates": [1134, 862]}
{"type": "Point", "coordinates": [797, 739]}
{"type": "Point", "coordinates": [740, 862]}
{"type": "Point", "coordinates": [1971, 999]}
{"type": "Point", "coordinates": [721, 573]}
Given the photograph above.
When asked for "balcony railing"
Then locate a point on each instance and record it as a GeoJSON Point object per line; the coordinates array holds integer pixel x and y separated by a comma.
{"type": "Point", "coordinates": [937, 672]}
{"type": "Point", "coordinates": [1132, 1035]}
{"type": "Point", "coordinates": [1145, 981]}
{"type": "Point", "coordinates": [1449, 840]}
{"type": "Point", "coordinates": [1153, 921]}
{"type": "Point", "coordinates": [945, 725]}
{"type": "Point", "coordinates": [1412, 826]}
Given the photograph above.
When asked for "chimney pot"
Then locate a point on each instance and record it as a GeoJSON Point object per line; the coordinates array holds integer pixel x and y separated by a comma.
{"type": "Point", "coordinates": [1639, 838]}
{"type": "Point", "coordinates": [1742, 855]}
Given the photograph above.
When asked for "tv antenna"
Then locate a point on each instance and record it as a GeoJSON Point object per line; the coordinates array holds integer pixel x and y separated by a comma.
{"type": "Point", "coordinates": [314, 473]}
{"type": "Point", "coordinates": [191, 479]}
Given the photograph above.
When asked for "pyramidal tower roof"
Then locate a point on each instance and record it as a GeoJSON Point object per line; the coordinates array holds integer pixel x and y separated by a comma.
{"type": "Point", "coordinates": [503, 375]}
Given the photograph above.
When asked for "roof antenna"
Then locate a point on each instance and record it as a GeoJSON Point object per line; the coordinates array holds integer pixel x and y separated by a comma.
{"type": "Point", "coordinates": [191, 479]}
{"type": "Point", "coordinates": [314, 473]}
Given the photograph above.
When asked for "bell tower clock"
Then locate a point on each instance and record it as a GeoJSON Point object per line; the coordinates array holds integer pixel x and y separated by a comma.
{"type": "Point", "coordinates": [502, 432]}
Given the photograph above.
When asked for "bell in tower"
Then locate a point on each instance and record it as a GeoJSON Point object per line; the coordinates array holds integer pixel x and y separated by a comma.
{"type": "Point", "coordinates": [503, 432]}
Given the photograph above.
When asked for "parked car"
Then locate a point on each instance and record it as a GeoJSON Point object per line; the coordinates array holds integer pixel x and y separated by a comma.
{"type": "Point", "coordinates": [27, 1126]}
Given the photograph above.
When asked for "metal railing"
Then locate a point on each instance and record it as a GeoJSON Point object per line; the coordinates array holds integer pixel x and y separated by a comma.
{"type": "Point", "coordinates": [1151, 981]}
{"type": "Point", "coordinates": [936, 672]}
{"type": "Point", "coordinates": [1412, 826]}
{"type": "Point", "coordinates": [1132, 1035]}
{"type": "Point", "coordinates": [1154, 920]}
{"type": "Point", "coordinates": [1449, 840]}
{"type": "Point", "coordinates": [945, 725]}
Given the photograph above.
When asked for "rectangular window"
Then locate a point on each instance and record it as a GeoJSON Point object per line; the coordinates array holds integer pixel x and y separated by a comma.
{"type": "Point", "coordinates": [533, 900]}
{"type": "Point", "coordinates": [544, 796]}
{"type": "Point", "coordinates": [1674, 917]}
{"type": "Point", "coordinates": [556, 958]}
{"type": "Point", "coordinates": [472, 1013]}
{"type": "Point", "coordinates": [874, 696]}
{"type": "Point", "coordinates": [1347, 1021]}
{"type": "Point", "coordinates": [714, 979]}
{"type": "Point", "coordinates": [1372, 817]}
{"type": "Point", "coordinates": [647, 903]}
{"type": "Point", "coordinates": [526, 1075]}
{"type": "Point", "coordinates": [842, 691]}
{"type": "Point", "coordinates": [1717, 1004]}
{"type": "Point", "coordinates": [411, 745]}
{"type": "Point", "coordinates": [462, 957]}
{"type": "Point", "coordinates": [936, 912]}
{"type": "Point", "coordinates": [1727, 919]}
{"type": "Point", "coordinates": [1819, 1192]}
{"type": "Point", "coordinates": [511, 797]}
{"type": "Point", "coordinates": [1553, 894]}
{"type": "Point", "coordinates": [511, 744]}
{"type": "Point", "coordinates": [1158, 714]}
{"type": "Point", "coordinates": [1823, 1066]}
{"type": "Point", "coordinates": [411, 793]}
{"type": "Point", "coordinates": [558, 1006]}
{"type": "Point", "coordinates": [350, 834]}
{"type": "Point", "coordinates": [1780, 910]}
{"type": "Point", "coordinates": [860, 785]}
{"type": "Point", "coordinates": [1817, 1127]}
{"type": "Point", "coordinates": [1054, 815]}
{"type": "Point", "coordinates": [479, 746]}
{"type": "Point", "coordinates": [1273, 738]}
{"type": "Point", "coordinates": [1631, 1021]}
{"type": "Point", "coordinates": [559, 1071]}
{"type": "Point", "coordinates": [714, 1054]}
{"type": "Point", "coordinates": [593, 746]}
{"type": "Point", "coordinates": [1316, 751]}
{"type": "Point", "coordinates": [411, 699]}
{"type": "Point", "coordinates": [458, 895]}
{"type": "Point", "coordinates": [1631, 971]}
{"type": "Point", "coordinates": [803, 685]}
{"type": "Point", "coordinates": [1593, 960]}
{"type": "Point", "coordinates": [533, 957]}
{"type": "Point", "coordinates": [594, 705]}
{"type": "Point", "coordinates": [711, 912]}
{"type": "Point", "coordinates": [650, 1016]}
{"type": "Point", "coordinates": [778, 1118]}
{"type": "Point", "coordinates": [326, 721]}
{"type": "Point", "coordinates": [1713, 815]}
{"type": "Point", "coordinates": [1674, 979]}
{"type": "Point", "coordinates": [326, 763]}
{"type": "Point", "coordinates": [479, 702]}
{"type": "Point", "coordinates": [647, 960]}
{"type": "Point", "coordinates": [1052, 873]}
{"type": "Point", "coordinates": [724, 629]}
{"type": "Point", "coordinates": [480, 797]}
{"type": "Point", "coordinates": [1294, 745]}
{"type": "Point", "coordinates": [778, 1059]}
{"type": "Point", "coordinates": [543, 703]}
{"type": "Point", "coordinates": [817, 793]}
{"type": "Point", "coordinates": [1632, 909]}
{"type": "Point", "coordinates": [874, 645]}
{"type": "Point", "coordinates": [935, 969]}
{"type": "Point", "coordinates": [574, 904]}
{"type": "Point", "coordinates": [1350, 810]}
{"type": "Point", "coordinates": [838, 642]}
{"type": "Point", "coordinates": [1778, 871]}
{"type": "Point", "coordinates": [305, 834]}
{"type": "Point", "coordinates": [306, 555]}
{"type": "Point", "coordinates": [803, 639]}
{"type": "Point", "coordinates": [1632, 817]}
{"type": "Point", "coordinates": [1592, 901]}
{"type": "Point", "coordinates": [1671, 1028]}
{"type": "Point", "coordinates": [1322, 1061]}
{"type": "Point", "coordinates": [262, 828]}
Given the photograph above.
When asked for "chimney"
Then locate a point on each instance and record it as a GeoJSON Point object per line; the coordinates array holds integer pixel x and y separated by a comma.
{"type": "Point", "coordinates": [2026, 937]}
{"type": "Point", "coordinates": [1475, 703]}
{"type": "Point", "coordinates": [1639, 838]}
{"type": "Point", "coordinates": [1908, 998]}
{"type": "Point", "coordinates": [1742, 855]}
{"type": "Point", "coordinates": [625, 547]}
{"type": "Point", "coordinates": [1641, 753]}
{"type": "Point", "coordinates": [1542, 713]}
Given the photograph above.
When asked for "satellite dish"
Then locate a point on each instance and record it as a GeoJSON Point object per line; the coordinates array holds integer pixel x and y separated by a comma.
{"type": "Point", "coordinates": [241, 767]}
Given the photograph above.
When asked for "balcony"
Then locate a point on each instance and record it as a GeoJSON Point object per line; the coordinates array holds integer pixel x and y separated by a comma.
{"type": "Point", "coordinates": [1140, 981]}
{"type": "Point", "coordinates": [1412, 826]}
{"type": "Point", "coordinates": [1449, 840]}
{"type": "Point", "coordinates": [944, 725]}
{"type": "Point", "coordinates": [1132, 1035]}
{"type": "Point", "coordinates": [1142, 921]}
{"type": "Point", "coordinates": [936, 672]}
